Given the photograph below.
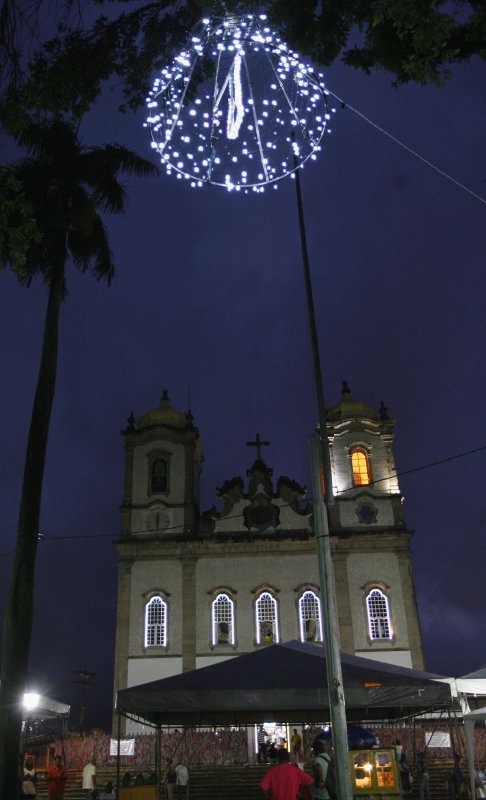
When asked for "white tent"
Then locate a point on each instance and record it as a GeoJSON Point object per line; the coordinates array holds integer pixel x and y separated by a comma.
{"type": "Point", "coordinates": [470, 720]}
{"type": "Point", "coordinates": [473, 683]}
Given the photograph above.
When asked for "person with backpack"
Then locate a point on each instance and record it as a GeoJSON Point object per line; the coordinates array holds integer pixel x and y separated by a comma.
{"type": "Point", "coordinates": [324, 786]}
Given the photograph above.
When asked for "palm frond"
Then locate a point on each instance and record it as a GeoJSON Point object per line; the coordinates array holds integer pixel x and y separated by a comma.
{"type": "Point", "coordinates": [90, 250]}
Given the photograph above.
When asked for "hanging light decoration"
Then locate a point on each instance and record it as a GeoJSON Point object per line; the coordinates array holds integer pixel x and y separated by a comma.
{"type": "Point", "coordinates": [237, 108]}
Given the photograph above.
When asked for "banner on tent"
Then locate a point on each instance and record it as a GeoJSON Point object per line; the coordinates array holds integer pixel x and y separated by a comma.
{"type": "Point", "coordinates": [437, 739]}
{"type": "Point", "coordinates": [127, 747]}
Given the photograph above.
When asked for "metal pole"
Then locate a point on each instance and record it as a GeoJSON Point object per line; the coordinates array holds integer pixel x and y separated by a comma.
{"type": "Point", "coordinates": [323, 499]}
{"type": "Point", "coordinates": [118, 736]}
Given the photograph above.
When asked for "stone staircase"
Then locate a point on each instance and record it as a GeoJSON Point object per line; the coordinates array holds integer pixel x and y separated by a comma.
{"type": "Point", "coordinates": [237, 782]}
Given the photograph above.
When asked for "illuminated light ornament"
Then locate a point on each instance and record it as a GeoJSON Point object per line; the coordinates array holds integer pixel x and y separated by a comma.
{"type": "Point", "coordinates": [237, 108]}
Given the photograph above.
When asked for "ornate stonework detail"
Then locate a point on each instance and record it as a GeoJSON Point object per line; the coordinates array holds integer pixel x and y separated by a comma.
{"type": "Point", "coordinates": [261, 514]}
{"type": "Point", "coordinates": [367, 513]}
{"type": "Point", "coordinates": [230, 493]}
{"type": "Point", "coordinates": [260, 509]}
{"type": "Point", "coordinates": [260, 479]}
{"type": "Point", "coordinates": [292, 493]}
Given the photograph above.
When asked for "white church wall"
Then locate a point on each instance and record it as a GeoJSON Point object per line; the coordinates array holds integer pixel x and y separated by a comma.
{"type": "Point", "coordinates": [144, 670]}
{"type": "Point", "coordinates": [234, 520]}
{"type": "Point", "coordinates": [400, 658]}
{"type": "Point", "coordinates": [208, 661]}
{"type": "Point", "coordinates": [150, 576]}
{"type": "Point", "coordinates": [382, 568]}
{"type": "Point", "coordinates": [284, 573]}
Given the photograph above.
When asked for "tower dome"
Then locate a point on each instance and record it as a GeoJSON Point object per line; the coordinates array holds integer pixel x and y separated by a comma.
{"type": "Point", "coordinates": [349, 408]}
{"type": "Point", "coordinates": [164, 415]}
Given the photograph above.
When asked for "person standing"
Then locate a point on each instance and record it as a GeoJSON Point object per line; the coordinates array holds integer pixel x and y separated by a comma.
{"type": "Point", "coordinates": [89, 779]}
{"type": "Point", "coordinates": [322, 763]}
{"type": "Point", "coordinates": [182, 779]}
{"type": "Point", "coordinates": [170, 779]}
{"type": "Point", "coordinates": [262, 756]}
{"type": "Point", "coordinates": [56, 779]}
{"type": "Point", "coordinates": [296, 745]}
{"type": "Point", "coordinates": [29, 777]}
{"type": "Point", "coordinates": [283, 781]}
{"type": "Point", "coordinates": [405, 776]}
{"type": "Point", "coordinates": [423, 777]}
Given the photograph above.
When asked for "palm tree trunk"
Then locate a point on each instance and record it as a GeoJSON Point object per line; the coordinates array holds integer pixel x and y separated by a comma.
{"type": "Point", "coordinates": [19, 612]}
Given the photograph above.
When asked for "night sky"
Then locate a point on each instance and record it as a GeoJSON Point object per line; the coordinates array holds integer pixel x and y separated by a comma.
{"type": "Point", "coordinates": [209, 303]}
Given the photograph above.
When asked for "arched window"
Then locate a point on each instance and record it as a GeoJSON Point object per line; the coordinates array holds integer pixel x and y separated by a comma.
{"type": "Point", "coordinates": [159, 476]}
{"type": "Point", "coordinates": [360, 466]}
{"type": "Point", "coordinates": [310, 622]}
{"type": "Point", "coordinates": [223, 620]}
{"type": "Point", "coordinates": [266, 619]}
{"type": "Point", "coordinates": [156, 622]}
{"type": "Point", "coordinates": [378, 609]}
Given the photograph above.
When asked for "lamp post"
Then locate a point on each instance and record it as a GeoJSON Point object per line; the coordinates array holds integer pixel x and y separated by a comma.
{"type": "Point", "coordinates": [238, 109]}
{"type": "Point", "coordinates": [323, 499]}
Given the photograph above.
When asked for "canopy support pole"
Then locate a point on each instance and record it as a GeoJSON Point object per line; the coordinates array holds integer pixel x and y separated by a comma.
{"type": "Point", "coordinates": [158, 757]}
{"type": "Point", "coordinates": [118, 734]}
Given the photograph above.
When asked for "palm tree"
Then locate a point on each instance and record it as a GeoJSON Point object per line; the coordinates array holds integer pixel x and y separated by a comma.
{"type": "Point", "coordinates": [65, 188]}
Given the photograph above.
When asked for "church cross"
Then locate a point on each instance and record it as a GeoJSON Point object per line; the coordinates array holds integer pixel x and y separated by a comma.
{"type": "Point", "coordinates": [258, 443]}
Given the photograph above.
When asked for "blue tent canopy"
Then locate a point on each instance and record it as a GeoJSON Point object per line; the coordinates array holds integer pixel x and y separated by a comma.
{"type": "Point", "coordinates": [282, 682]}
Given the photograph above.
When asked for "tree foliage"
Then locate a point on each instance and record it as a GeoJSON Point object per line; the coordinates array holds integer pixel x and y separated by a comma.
{"type": "Point", "coordinates": [18, 228]}
{"type": "Point", "coordinates": [412, 40]}
{"type": "Point", "coordinates": [59, 191]}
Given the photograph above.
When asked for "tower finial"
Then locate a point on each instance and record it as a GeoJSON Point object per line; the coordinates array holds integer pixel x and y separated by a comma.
{"type": "Point", "coordinates": [383, 411]}
{"type": "Point", "coordinates": [131, 422]}
{"type": "Point", "coordinates": [346, 390]}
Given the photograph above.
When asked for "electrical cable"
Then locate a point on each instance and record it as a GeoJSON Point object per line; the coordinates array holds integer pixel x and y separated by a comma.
{"type": "Point", "coordinates": [174, 528]}
{"type": "Point", "coordinates": [406, 147]}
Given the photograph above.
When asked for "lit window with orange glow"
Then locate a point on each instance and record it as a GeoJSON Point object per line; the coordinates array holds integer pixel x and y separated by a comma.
{"type": "Point", "coordinates": [360, 466]}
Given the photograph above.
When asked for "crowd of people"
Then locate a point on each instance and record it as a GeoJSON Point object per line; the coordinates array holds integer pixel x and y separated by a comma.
{"type": "Point", "coordinates": [283, 781]}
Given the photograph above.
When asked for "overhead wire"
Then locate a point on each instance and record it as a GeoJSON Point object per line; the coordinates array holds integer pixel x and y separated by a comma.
{"type": "Point", "coordinates": [174, 528]}
{"type": "Point", "coordinates": [406, 147]}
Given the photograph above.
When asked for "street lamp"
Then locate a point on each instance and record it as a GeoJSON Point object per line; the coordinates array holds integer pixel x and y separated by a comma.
{"type": "Point", "coordinates": [238, 109]}
{"type": "Point", "coordinates": [322, 490]}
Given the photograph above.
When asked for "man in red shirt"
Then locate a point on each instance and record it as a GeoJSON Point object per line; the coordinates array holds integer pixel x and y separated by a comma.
{"type": "Point", "coordinates": [56, 779]}
{"type": "Point", "coordinates": [283, 781]}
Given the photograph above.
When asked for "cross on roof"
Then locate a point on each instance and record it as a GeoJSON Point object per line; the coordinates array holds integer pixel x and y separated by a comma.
{"type": "Point", "coordinates": [258, 443]}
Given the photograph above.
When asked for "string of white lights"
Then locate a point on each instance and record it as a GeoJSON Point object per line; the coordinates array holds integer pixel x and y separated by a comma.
{"type": "Point", "coordinates": [235, 105]}
{"type": "Point", "coordinates": [273, 99]}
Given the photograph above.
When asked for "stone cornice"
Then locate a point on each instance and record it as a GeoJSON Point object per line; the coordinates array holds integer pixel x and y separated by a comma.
{"type": "Point", "coordinates": [135, 549]}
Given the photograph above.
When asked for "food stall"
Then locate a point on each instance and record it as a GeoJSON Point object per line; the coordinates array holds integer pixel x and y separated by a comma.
{"type": "Point", "coordinates": [375, 774]}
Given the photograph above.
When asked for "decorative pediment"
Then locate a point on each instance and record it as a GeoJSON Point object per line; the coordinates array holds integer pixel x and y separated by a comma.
{"type": "Point", "coordinates": [261, 513]}
{"type": "Point", "coordinates": [260, 509]}
{"type": "Point", "coordinates": [260, 479]}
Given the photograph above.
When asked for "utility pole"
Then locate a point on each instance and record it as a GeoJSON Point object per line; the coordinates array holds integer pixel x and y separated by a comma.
{"type": "Point", "coordinates": [323, 499]}
{"type": "Point", "coordinates": [84, 681]}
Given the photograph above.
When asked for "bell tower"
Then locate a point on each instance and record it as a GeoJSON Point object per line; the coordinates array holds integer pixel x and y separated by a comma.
{"type": "Point", "coordinates": [159, 512]}
{"type": "Point", "coordinates": [365, 485]}
{"type": "Point", "coordinates": [163, 458]}
{"type": "Point", "coordinates": [369, 537]}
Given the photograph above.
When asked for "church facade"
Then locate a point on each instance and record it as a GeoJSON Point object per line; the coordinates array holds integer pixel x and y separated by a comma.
{"type": "Point", "coordinates": [195, 588]}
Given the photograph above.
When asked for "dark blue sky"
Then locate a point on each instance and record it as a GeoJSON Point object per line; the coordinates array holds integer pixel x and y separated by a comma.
{"type": "Point", "coordinates": [209, 303]}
